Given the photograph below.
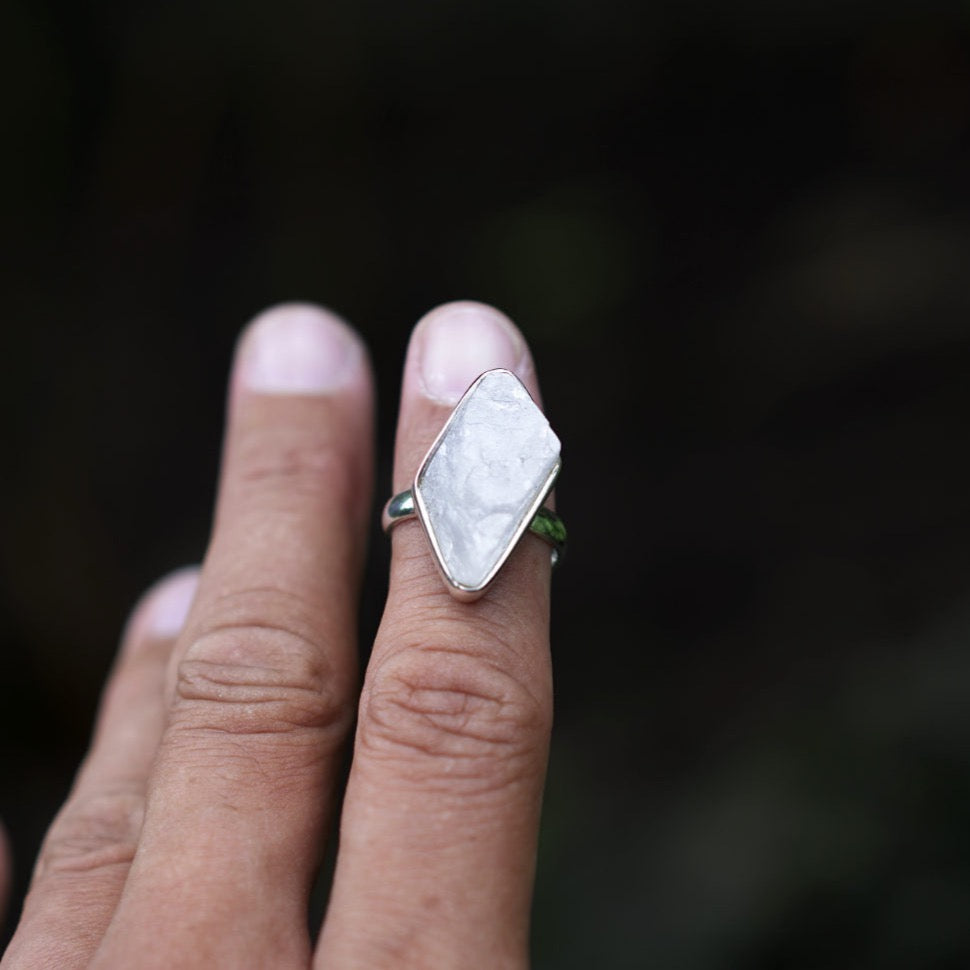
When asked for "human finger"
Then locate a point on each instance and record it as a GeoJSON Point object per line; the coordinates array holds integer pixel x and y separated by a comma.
{"type": "Point", "coordinates": [263, 676]}
{"type": "Point", "coordinates": [86, 854]}
{"type": "Point", "coordinates": [438, 836]}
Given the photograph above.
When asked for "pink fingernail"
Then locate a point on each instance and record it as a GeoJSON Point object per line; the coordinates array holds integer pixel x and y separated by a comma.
{"type": "Point", "coordinates": [170, 601]}
{"type": "Point", "coordinates": [297, 348]}
{"type": "Point", "coordinates": [459, 341]}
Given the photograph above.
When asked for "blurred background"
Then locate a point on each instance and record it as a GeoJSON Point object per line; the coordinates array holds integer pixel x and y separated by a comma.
{"type": "Point", "coordinates": [737, 236]}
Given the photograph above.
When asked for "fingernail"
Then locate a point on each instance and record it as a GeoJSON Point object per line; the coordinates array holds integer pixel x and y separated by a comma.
{"type": "Point", "coordinates": [459, 341]}
{"type": "Point", "coordinates": [297, 349]}
{"type": "Point", "coordinates": [170, 601]}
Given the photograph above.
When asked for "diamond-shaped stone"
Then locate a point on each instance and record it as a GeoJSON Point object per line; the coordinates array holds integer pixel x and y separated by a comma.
{"type": "Point", "coordinates": [484, 479]}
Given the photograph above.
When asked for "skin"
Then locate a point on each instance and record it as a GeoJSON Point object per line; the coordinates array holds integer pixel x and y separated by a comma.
{"type": "Point", "coordinates": [194, 828]}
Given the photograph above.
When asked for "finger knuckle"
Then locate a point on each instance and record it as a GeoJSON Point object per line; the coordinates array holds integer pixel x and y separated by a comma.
{"type": "Point", "coordinates": [249, 679]}
{"type": "Point", "coordinates": [290, 464]}
{"type": "Point", "coordinates": [93, 832]}
{"type": "Point", "coordinates": [452, 716]}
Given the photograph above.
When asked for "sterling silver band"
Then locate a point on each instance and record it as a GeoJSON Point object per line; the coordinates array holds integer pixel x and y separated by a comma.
{"type": "Point", "coordinates": [546, 524]}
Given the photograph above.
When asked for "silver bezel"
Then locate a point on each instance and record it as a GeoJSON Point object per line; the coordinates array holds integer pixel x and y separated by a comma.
{"type": "Point", "coordinates": [459, 590]}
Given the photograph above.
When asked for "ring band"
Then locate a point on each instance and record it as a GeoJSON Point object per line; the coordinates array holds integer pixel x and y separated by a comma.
{"type": "Point", "coordinates": [483, 484]}
{"type": "Point", "coordinates": [545, 523]}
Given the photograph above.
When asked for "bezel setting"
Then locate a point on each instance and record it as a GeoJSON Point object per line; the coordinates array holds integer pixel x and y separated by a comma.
{"type": "Point", "coordinates": [520, 493]}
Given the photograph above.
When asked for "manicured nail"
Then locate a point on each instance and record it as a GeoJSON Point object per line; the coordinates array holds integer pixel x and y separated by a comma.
{"type": "Point", "coordinates": [297, 349]}
{"type": "Point", "coordinates": [169, 603]}
{"type": "Point", "coordinates": [459, 341]}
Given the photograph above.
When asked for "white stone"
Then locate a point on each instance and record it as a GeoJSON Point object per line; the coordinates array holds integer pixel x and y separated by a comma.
{"type": "Point", "coordinates": [485, 478]}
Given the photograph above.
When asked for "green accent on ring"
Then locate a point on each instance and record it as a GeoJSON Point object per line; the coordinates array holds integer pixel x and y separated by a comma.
{"type": "Point", "coordinates": [545, 524]}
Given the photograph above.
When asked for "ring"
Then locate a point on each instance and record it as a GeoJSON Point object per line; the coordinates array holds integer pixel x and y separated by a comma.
{"type": "Point", "coordinates": [483, 483]}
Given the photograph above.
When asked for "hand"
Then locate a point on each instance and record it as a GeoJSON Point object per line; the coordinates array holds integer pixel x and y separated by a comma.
{"type": "Point", "coordinates": [196, 823]}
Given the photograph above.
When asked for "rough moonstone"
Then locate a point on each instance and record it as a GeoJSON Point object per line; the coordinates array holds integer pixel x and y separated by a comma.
{"type": "Point", "coordinates": [485, 478]}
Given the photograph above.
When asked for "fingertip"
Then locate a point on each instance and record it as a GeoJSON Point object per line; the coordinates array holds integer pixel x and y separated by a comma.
{"type": "Point", "coordinates": [454, 308]}
{"type": "Point", "coordinates": [453, 344]}
{"type": "Point", "coordinates": [161, 612]}
{"type": "Point", "coordinates": [298, 348]}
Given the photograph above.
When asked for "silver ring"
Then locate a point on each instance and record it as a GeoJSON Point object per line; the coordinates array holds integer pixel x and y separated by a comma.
{"type": "Point", "coordinates": [483, 483]}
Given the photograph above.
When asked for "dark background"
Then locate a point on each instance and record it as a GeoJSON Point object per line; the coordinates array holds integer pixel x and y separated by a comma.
{"type": "Point", "coordinates": [737, 236]}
